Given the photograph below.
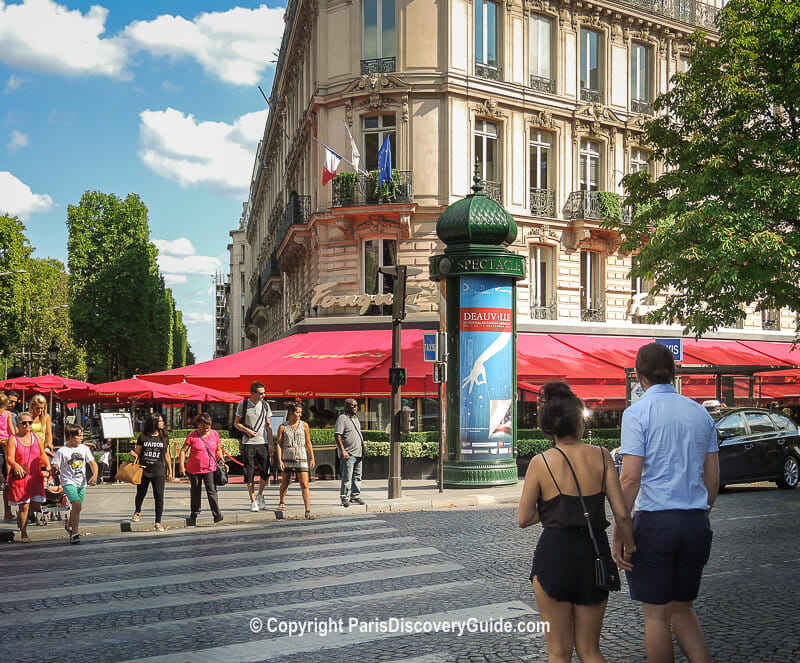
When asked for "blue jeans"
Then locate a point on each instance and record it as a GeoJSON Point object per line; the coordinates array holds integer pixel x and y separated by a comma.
{"type": "Point", "coordinates": [350, 470]}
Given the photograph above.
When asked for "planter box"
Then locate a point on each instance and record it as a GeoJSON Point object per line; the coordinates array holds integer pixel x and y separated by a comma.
{"type": "Point", "coordinates": [377, 467]}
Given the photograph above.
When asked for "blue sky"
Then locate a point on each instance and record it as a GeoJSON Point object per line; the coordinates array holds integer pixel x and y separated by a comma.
{"type": "Point", "coordinates": [146, 97]}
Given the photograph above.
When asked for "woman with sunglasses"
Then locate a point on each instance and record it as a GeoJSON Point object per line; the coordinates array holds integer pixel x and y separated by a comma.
{"type": "Point", "coordinates": [26, 459]}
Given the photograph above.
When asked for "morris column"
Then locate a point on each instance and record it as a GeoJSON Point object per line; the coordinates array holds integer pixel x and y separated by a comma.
{"type": "Point", "coordinates": [477, 276]}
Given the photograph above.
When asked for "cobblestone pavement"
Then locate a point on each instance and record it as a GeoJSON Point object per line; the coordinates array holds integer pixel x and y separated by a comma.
{"type": "Point", "coordinates": [216, 594]}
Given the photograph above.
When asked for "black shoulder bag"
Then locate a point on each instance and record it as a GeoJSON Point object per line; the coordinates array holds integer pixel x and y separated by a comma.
{"type": "Point", "coordinates": [606, 574]}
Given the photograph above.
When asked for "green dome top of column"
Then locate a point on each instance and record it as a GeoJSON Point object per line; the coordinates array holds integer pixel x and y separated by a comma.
{"type": "Point", "coordinates": [476, 219]}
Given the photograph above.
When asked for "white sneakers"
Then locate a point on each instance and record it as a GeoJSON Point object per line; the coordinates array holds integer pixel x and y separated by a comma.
{"type": "Point", "coordinates": [254, 506]}
{"type": "Point", "coordinates": [263, 499]}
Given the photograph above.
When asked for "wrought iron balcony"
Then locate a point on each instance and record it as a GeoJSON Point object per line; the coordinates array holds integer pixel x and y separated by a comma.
{"type": "Point", "coordinates": [544, 312]}
{"type": "Point", "coordinates": [543, 202]}
{"type": "Point", "coordinates": [641, 106]}
{"type": "Point", "coordinates": [594, 313]}
{"type": "Point", "coordinates": [595, 205]}
{"type": "Point", "coordinates": [688, 11]}
{"type": "Point", "coordinates": [487, 71]}
{"type": "Point", "coordinates": [271, 270]}
{"type": "Point", "coordinates": [379, 66]}
{"type": "Point", "coordinates": [493, 190]}
{"type": "Point", "coordinates": [296, 213]}
{"type": "Point", "coordinates": [356, 189]}
{"type": "Point", "coordinates": [543, 84]}
{"type": "Point", "coordinates": [594, 96]}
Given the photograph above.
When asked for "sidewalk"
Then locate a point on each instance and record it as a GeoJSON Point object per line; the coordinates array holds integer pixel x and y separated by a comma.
{"type": "Point", "coordinates": [108, 507]}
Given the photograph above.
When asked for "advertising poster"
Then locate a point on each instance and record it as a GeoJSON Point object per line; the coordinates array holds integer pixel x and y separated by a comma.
{"type": "Point", "coordinates": [486, 367]}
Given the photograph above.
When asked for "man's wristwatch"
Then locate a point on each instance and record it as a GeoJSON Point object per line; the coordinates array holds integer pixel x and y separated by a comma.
{"type": "Point", "coordinates": [628, 551]}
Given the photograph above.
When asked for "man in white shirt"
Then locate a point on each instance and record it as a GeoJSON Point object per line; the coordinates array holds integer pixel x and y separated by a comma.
{"type": "Point", "coordinates": [253, 420]}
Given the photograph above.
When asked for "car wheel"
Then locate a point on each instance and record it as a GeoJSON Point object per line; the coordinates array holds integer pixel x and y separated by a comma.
{"type": "Point", "coordinates": [790, 473]}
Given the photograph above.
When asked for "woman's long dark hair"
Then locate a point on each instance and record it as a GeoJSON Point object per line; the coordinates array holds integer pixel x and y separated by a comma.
{"type": "Point", "coordinates": [560, 410]}
{"type": "Point", "coordinates": [151, 426]}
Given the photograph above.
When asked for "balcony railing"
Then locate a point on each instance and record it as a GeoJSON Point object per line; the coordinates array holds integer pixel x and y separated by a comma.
{"type": "Point", "coordinates": [543, 202]}
{"type": "Point", "coordinates": [594, 96]}
{"type": "Point", "coordinates": [378, 66]}
{"type": "Point", "coordinates": [271, 270]}
{"type": "Point", "coordinates": [355, 189]}
{"type": "Point", "coordinates": [641, 106]}
{"type": "Point", "coordinates": [544, 312]}
{"type": "Point", "coordinates": [487, 71]}
{"type": "Point", "coordinates": [493, 190]}
{"type": "Point", "coordinates": [543, 84]}
{"type": "Point", "coordinates": [593, 313]}
{"type": "Point", "coordinates": [596, 205]}
{"type": "Point", "coordinates": [296, 213]}
{"type": "Point", "coordinates": [688, 11]}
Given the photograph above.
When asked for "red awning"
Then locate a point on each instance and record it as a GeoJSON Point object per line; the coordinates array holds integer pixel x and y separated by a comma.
{"type": "Point", "coordinates": [545, 357]}
{"type": "Point", "coordinates": [593, 395]}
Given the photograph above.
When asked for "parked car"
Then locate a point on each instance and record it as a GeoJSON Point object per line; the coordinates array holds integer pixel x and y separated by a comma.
{"type": "Point", "coordinates": [754, 445]}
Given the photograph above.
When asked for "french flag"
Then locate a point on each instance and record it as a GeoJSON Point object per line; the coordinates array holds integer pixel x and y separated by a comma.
{"type": "Point", "coordinates": [332, 161]}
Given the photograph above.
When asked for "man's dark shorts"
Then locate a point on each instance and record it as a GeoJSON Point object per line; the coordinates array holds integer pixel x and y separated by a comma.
{"type": "Point", "coordinates": [672, 547]}
{"type": "Point", "coordinates": [256, 460]}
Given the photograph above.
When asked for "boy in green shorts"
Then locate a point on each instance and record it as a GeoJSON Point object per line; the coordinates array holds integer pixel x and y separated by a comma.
{"type": "Point", "coordinates": [71, 461]}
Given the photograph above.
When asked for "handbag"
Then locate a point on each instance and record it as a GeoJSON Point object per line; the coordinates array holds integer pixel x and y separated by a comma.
{"type": "Point", "coordinates": [130, 472]}
{"type": "Point", "coordinates": [606, 574]}
{"type": "Point", "coordinates": [221, 473]}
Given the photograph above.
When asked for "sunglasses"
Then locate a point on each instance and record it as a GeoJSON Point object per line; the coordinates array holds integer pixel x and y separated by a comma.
{"type": "Point", "coordinates": [24, 423]}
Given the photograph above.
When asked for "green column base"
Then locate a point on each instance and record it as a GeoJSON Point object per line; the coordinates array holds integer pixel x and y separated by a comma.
{"type": "Point", "coordinates": [477, 474]}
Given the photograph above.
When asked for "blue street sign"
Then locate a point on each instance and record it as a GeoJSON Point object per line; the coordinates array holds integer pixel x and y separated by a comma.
{"type": "Point", "coordinates": [429, 346]}
{"type": "Point", "coordinates": [674, 344]}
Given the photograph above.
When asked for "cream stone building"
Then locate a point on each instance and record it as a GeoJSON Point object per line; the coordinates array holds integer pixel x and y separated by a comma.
{"type": "Point", "coordinates": [545, 97]}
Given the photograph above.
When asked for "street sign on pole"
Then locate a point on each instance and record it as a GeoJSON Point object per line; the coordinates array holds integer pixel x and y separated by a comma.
{"type": "Point", "coordinates": [675, 345]}
{"type": "Point", "coordinates": [429, 346]}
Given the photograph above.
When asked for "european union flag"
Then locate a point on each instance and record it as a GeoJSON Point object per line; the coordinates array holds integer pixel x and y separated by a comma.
{"type": "Point", "coordinates": [385, 161]}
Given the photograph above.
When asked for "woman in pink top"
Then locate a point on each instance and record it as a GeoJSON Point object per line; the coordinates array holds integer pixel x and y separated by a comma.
{"type": "Point", "coordinates": [6, 429]}
{"type": "Point", "coordinates": [26, 458]}
{"type": "Point", "coordinates": [204, 448]}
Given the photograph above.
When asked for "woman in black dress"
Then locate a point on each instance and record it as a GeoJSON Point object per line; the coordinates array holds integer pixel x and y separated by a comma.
{"type": "Point", "coordinates": [563, 563]}
{"type": "Point", "coordinates": [152, 450]}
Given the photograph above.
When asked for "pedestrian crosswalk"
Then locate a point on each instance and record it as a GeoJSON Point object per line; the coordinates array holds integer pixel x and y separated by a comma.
{"type": "Point", "coordinates": [334, 589]}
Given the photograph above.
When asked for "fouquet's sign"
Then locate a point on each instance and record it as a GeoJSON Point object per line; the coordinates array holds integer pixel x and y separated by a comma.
{"type": "Point", "coordinates": [322, 299]}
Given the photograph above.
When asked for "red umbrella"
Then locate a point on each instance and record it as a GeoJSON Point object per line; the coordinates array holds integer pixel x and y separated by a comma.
{"type": "Point", "coordinates": [119, 390]}
{"type": "Point", "coordinates": [54, 383]}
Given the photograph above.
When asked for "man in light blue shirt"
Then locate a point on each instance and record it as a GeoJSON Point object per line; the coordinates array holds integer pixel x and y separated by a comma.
{"type": "Point", "coordinates": [670, 472]}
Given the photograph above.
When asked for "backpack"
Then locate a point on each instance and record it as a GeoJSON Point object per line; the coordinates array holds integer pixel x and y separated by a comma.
{"type": "Point", "coordinates": [235, 432]}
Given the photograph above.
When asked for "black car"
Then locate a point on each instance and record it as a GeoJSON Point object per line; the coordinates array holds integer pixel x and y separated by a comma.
{"type": "Point", "coordinates": [754, 445]}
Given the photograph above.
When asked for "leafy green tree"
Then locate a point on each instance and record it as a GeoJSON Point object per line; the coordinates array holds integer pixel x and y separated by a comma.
{"type": "Point", "coordinates": [14, 253]}
{"type": "Point", "coordinates": [179, 340]}
{"type": "Point", "coordinates": [113, 288]}
{"type": "Point", "coordinates": [190, 358]}
{"type": "Point", "coordinates": [721, 227]}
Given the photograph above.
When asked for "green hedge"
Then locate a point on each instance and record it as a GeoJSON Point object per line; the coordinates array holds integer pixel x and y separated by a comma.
{"type": "Point", "coordinates": [528, 447]}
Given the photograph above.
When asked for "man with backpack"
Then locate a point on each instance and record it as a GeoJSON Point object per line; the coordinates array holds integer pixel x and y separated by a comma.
{"type": "Point", "coordinates": [253, 421]}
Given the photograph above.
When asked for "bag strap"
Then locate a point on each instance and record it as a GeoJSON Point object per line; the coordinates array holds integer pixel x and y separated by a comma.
{"type": "Point", "coordinates": [583, 504]}
{"type": "Point", "coordinates": [213, 457]}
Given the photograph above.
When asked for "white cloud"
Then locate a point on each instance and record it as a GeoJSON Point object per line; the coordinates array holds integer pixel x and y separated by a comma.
{"type": "Point", "coordinates": [18, 141]}
{"type": "Point", "coordinates": [178, 247]}
{"type": "Point", "coordinates": [14, 83]}
{"type": "Point", "coordinates": [17, 199]}
{"type": "Point", "coordinates": [45, 36]}
{"type": "Point", "coordinates": [197, 318]}
{"type": "Point", "coordinates": [212, 155]}
{"type": "Point", "coordinates": [174, 279]}
{"type": "Point", "coordinates": [235, 46]}
{"type": "Point", "coordinates": [188, 265]}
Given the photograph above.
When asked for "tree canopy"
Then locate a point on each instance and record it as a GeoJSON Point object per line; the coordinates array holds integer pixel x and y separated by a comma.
{"type": "Point", "coordinates": [14, 253]}
{"type": "Point", "coordinates": [720, 228]}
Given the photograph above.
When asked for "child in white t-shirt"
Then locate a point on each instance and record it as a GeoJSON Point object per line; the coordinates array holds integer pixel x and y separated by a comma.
{"type": "Point", "coordinates": [71, 461]}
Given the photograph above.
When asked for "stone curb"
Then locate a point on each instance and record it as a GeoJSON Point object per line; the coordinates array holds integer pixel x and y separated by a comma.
{"type": "Point", "coordinates": [55, 529]}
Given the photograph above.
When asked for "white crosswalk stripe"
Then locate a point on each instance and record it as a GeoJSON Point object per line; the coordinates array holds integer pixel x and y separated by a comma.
{"type": "Point", "coordinates": [193, 598]}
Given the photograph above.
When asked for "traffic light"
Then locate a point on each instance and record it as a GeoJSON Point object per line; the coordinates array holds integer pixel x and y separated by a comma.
{"type": "Point", "coordinates": [407, 419]}
{"type": "Point", "coordinates": [399, 274]}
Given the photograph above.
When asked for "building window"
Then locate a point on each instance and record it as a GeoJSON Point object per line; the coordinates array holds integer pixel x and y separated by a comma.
{"type": "Point", "coordinates": [640, 78]}
{"type": "Point", "coordinates": [541, 286]}
{"type": "Point", "coordinates": [379, 253]}
{"type": "Point", "coordinates": [486, 156]}
{"type": "Point", "coordinates": [592, 305]}
{"type": "Point", "coordinates": [683, 64]}
{"type": "Point", "coordinates": [590, 164]}
{"type": "Point", "coordinates": [542, 54]}
{"type": "Point", "coordinates": [375, 129]}
{"type": "Point", "coordinates": [541, 193]}
{"type": "Point", "coordinates": [487, 39]}
{"type": "Point", "coordinates": [590, 66]}
{"type": "Point", "coordinates": [379, 29]}
{"type": "Point", "coordinates": [639, 161]}
{"type": "Point", "coordinates": [641, 300]}
{"type": "Point", "coordinates": [771, 319]}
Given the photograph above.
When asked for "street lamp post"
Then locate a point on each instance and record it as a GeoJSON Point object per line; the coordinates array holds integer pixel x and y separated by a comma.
{"type": "Point", "coordinates": [52, 354]}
